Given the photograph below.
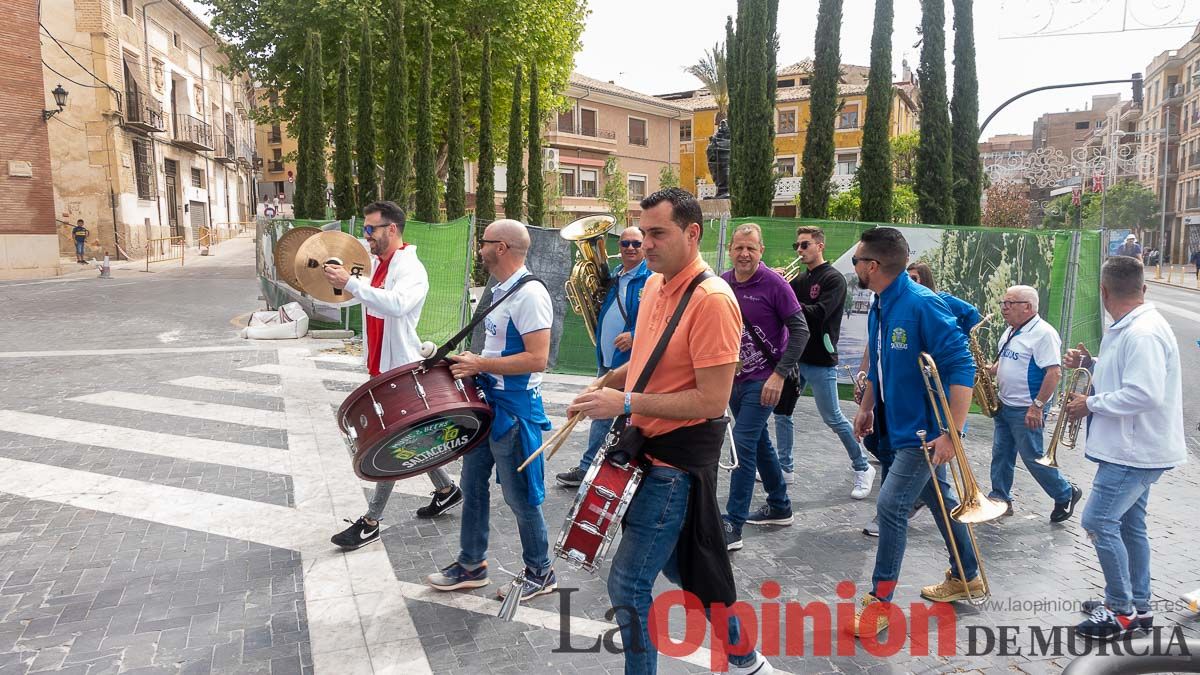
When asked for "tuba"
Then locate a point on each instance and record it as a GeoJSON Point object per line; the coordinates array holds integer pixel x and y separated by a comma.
{"type": "Point", "coordinates": [589, 280]}
{"type": "Point", "coordinates": [987, 395]}
{"type": "Point", "coordinates": [975, 506]}
{"type": "Point", "coordinates": [1066, 432]}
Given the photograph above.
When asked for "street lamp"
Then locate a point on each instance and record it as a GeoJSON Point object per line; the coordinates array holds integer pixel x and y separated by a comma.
{"type": "Point", "coordinates": [60, 98]}
{"type": "Point", "coordinates": [1162, 222]}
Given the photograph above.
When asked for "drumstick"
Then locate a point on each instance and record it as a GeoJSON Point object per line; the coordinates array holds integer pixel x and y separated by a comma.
{"type": "Point", "coordinates": [556, 439]}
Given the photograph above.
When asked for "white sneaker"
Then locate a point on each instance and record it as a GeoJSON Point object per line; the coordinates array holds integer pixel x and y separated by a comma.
{"type": "Point", "coordinates": [1192, 600]}
{"type": "Point", "coordinates": [871, 529]}
{"type": "Point", "coordinates": [863, 480]}
{"type": "Point", "coordinates": [789, 477]}
{"type": "Point", "coordinates": [760, 666]}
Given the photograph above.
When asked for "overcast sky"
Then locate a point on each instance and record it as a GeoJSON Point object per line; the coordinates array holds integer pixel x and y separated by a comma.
{"type": "Point", "coordinates": [645, 44]}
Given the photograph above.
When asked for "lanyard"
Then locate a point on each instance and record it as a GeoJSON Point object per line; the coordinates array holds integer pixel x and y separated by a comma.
{"type": "Point", "coordinates": [1013, 334]}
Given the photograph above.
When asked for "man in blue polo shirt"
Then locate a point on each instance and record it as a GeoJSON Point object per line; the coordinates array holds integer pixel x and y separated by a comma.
{"type": "Point", "coordinates": [1027, 373]}
{"type": "Point", "coordinates": [617, 317]}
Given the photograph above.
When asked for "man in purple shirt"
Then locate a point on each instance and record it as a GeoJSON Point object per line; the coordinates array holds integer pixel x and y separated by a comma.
{"type": "Point", "coordinates": [773, 337]}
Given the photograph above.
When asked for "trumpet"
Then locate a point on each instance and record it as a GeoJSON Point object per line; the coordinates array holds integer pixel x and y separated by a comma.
{"type": "Point", "coordinates": [792, 270]}
{"type": "Point", "coordinates": [975, 506]}
{"type": "Point", "coordinates": [1066, 432]}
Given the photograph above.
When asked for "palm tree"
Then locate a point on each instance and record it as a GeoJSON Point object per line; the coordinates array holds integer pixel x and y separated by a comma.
{"type": "Point", "coordinates": [711, 71]}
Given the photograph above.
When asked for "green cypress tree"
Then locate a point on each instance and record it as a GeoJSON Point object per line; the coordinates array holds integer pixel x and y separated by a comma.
{"type": "Point", "coordinates": [514, 195]}
{"type": "Point", "coordinates": [752, 181]}
{"type": "Point", "coordinates": [485, 191]}
{"type": "Point", "coordinates": [456, 199]}
{"type": "Point", "coordinates": [537, 197]}
{"type": "Point", "coordinates": [964, 108]}
{"type": "Point", "coordinates": [426, 162]}
{"type": "Point", "coordinates": [368, 180]}
{"type": "Point", "coordinates": [310, 167]}
{"type": "Point", "coordinates": [397, 155]}
{"type": "Point", "coordinates": [818, 160]}
{"type": "Point", "coordinates": [733, 116]}
{"type": "Point", "coordinates": [343, 163]}
{"type": "Point", "coordinates": [875, 172]}
{"type": "Point", "coordinates": [935, 202]}
{"type": "Point", "coordinates": [300, 130]}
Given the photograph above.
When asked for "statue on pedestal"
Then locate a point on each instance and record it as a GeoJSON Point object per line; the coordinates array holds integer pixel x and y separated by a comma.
{"type": "Point", "coordinates": [718, 159]}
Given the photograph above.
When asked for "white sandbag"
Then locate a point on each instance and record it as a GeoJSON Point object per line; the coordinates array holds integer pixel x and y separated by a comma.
{"type": "Point", "coordinates": [287, 323]}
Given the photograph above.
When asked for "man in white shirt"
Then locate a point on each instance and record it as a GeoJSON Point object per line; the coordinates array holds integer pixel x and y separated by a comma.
{"type": "Point", "coordinates": [1135, 433]}
{"type": "Point", "coordinates": [1027, 373]}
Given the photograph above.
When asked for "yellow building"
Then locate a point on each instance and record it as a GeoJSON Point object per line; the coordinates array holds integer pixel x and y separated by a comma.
{"type": "Point", "coordinates": [791, 123]}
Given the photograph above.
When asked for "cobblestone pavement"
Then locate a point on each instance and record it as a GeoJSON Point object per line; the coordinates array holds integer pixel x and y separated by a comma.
{"type": "Point", "coordinates": [167, 492]}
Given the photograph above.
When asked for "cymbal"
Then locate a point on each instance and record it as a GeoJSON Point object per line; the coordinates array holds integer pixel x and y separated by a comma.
{"type": "Point", "coordinates": [285, 253]}
{"type": "Point", "coordinates": [324, 248]}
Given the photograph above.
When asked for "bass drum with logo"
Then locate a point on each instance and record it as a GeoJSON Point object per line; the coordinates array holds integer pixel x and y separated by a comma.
{"type": "Point", "coordinates": [411, 420]}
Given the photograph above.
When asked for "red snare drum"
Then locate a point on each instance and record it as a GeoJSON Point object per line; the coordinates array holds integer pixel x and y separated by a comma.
{"type": "Point", "coordinates": [595, 517]}
{"type": "Point", "coordinates": [411, 420]}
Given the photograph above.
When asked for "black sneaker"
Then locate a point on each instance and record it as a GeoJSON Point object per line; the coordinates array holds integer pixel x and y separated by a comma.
{"type": "Point", "coordinates": [1102, 624]}
{"type": "Point", "coordinates": [441, 503]}
{"type": "Point", "coordinates": [769, 515]}
{"type": "Point", "coordinates": [1145, 620]}
{"type": "Point", "coordinates": [572, 478]}
{"type": "Point", "coordinates": [534, 585]}
{"type": "Point", "coordinates": [733, 537]}
{"type": "Point", "coordinates": [1063, 510]}
{"type": "Point", "coordinates": [358, 535]}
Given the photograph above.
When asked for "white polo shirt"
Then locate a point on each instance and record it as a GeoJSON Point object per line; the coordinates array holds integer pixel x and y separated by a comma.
{"type": "Point", "coordinates": [528, 311]}
{"type": "Point", "coordinates": [1023, 361]}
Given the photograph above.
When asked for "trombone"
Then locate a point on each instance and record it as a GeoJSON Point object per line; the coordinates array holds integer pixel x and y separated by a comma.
{"type": "Point", "coordinates": [1066, 432]}
{"type": "Point", "coordinates": [975, 506]}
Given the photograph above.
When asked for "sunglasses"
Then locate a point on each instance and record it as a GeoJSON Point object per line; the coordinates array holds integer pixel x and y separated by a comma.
{"type": "Point", "coordinates": [630, 244]}
{"type": "Point", "coordinates": [492, 241]}
{"type": "Point", "coordinates": [855, 260]}
{"type": "Point", "coordinates": [801, 245]}
{"type": "Point", "coordinates": [369, 230]}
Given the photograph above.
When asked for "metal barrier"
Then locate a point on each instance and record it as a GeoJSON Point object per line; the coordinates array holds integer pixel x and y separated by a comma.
{"type": "Point", "coordinates": [166, 248]}
{"type": "Point", "coordinates": [208, 237]}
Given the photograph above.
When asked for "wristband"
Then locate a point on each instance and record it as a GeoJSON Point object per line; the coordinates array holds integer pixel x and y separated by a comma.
{"type": "Point", "coordinates": [628, 402]}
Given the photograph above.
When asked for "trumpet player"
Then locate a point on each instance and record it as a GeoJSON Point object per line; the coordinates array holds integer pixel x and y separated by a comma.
{"type": "Point", "coordinates": [1027, 374]}
{"type": "Point", "coordinates": [1135, 433]}
{"type": "Point", "coordinates": [905, 320]}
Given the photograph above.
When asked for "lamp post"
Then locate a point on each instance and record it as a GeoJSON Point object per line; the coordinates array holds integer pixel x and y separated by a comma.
{"type": "Point", "coordinates": [1162, 222]}
{"type": "Point", "coordinates": [60, 99]}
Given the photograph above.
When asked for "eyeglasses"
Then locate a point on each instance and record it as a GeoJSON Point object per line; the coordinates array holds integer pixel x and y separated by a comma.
{"type": "Point", "coordinates": [854, 260]}
{"type": "Point", "coordinates": [801, 245]}
{"type": "Point", "coordinates": [1009, 303]}
{"type": "Point", "coordinates": [630, 244]}
{"type": "Point", "coordinates": [369, 230]}
{"type": "Point", "coordinates": [493, 241]}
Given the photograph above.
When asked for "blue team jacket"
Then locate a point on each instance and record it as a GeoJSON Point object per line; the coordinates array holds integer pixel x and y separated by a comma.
{"type": "Point", "coordinates": [633, 298]}
{"type": "Point", "coordinates": [905, 320]}
{"type": "Point", "coordinates": [964, 312]}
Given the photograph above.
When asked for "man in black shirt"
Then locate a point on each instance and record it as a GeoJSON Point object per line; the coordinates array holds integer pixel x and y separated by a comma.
{"type": "Point", "coordinates": [821, 291]}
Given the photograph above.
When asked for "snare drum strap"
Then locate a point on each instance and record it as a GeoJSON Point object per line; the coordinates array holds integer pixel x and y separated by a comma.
{"type": "Point", "coordinates": [475, 321]}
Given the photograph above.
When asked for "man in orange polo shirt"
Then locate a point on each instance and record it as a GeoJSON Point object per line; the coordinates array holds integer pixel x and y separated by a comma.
{"type": "Point", "coordinates": [689, 387]}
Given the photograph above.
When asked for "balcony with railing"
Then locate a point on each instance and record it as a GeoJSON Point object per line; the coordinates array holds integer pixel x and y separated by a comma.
{"type": "Point", "coordinates": [223, 152]}
{"type": "Point", "coordinates": [245, 152]}
{"type": "Point", "coordinates": [274, 137]}
{"type": "Point", "coordinates": [143, 113]}
{"type": "Point", "coordinates": [583, 192]}
{"type": "Point", "coordinates": [275, 166]}
{"type": "Point", "coordinates": [193, 133]}
{"type": "Point", "coordinates": [582, 136]}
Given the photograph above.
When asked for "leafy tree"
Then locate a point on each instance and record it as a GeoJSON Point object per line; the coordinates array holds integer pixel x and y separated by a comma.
{"type": "Point", "coordinates": [1127, 204]}
{"type": "Point", "coordinates": [615, 192]}
{"type": "Point", "coordinates": [847, 205]}
{"type": "Point", "coordinates": [343, 163]}
{"type": "Point", "coordinates": [751, 55]}
{"type": "Point", "coordinates": [310, 163]}
{"type": "Point", "coordinates": [485, 191]}
{"type": "Point", "coordinates": [514, 195]}
{"type": "Point", "coordinates": [1008, 205]}
{"type": "Point", "coordinates": [965, 110]}
{"type": "Point", "coordinates": [712, 73]}
{"type": "Point", "coordinates": [875, 173]}
{"type": "Point", "coordinates": [933, 168]}
{"type": "Point", "coordinates": [552, 197]}
{"type": "Point", "coordinates": [368, 179]}
{"type": "Point", "coordinates": [667, 177]}
{"type": "Point", "coordinates": [818, 161]}
{"type": "Point", "coordinates": [456, 199]}
{"type": "Point", "coordinates": [904, 156]}
{"type": "Point", "coordinates": [537, 204]}
{"type": "Point", "coordinates": [397, 155]}
{"type": "Point", "coordinates": [426, 164]}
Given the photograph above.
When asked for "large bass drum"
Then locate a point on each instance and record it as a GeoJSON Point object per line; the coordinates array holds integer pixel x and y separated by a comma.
{"type": "Point", "coordinates": [411, 420]}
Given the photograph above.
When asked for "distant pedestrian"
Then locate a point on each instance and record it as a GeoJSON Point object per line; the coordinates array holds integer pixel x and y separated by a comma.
{"type": "Point", "coordinates": [80, 234]}
{"type": "Point", "coordinates": [1195, 261]}
{"type": "Point", "coordinates": [1130, 248]}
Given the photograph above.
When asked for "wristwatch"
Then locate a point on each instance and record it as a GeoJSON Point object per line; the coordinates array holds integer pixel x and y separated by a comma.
{"type": "Point", "coordinates": [1038, 404]}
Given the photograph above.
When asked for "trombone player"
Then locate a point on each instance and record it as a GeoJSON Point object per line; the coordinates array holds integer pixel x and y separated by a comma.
{"type": "Point", "coordinates": [1027, 374]}
{"type": "Point", "coordinates": [906, 320]}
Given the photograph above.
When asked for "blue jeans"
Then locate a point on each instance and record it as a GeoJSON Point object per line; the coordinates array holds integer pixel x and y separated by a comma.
{"type": "Point", "coordinates": [754, 452]}
{"type": "Point", "coordinates": [79, 248]}
{"type": "Point", "coordinates": [652, 525]}
{"type": "Point", "coordinates": [823, 380]}
{"type": "Point", "coordinates": [596, 434]}
{"type": "Point", "coordinates": [909, 480]}
{"type": "Point", "coordinates": [1011, 437]}
{"type": "Point", "coordinates": [503, 455]}
{"type": "Point", "coordinates": [1115, 520]}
